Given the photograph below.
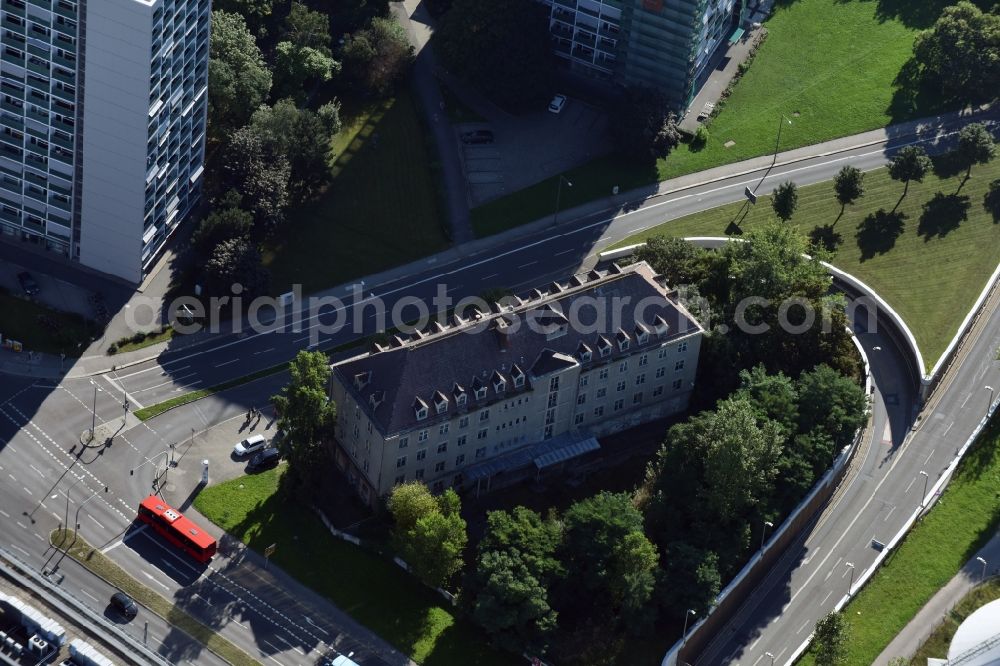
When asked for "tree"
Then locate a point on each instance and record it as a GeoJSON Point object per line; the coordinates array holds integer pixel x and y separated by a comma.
{"type": "Point", "coordinates": [910, 163]}
{"type": "Point", "coordinates": [297, 66]}
{"type": "Point", "coordinates": [609, 561]}
{"type": "Point", "coordinates": [690, 579]}
{"type": "Point", "coordinates": [975, 146]}
{"type": "Point", "coordinates": [849, 185]}
{"type": "Point", "coordinates": [830, 640]}
{"type": "Point", "coordinates": [503, 49]}
{"type": "Point", "coordinates": [259, 175]}
{"type": "Point", "coordinates": [224, 223]}
{"type": "Point", "coordinates": [255, 12]}
{"type": "Point", "coordinates": [236, 261]}
{"type": "Point", "coordinates": [959, 57]}
{"type": "Point", "coordinates": [429, 535]}
{"type": "Point", "coordinates": [306, 417]}
{"type": "Point", "coordinates": [301, 136]}
{"type": "Point", "coordinates": [238, 79]}
{"type": "Point", "coordinates": [678, 261]}
{"type": "Point", "coordinates": [525, 534]}
{"type": "Point", "coordinates": [832, 402]}
{"type": "Point", "coordinates": [784, 199]}
{"type": "Point", "coordinates": [991, 200]}
{"type": "Point", "coordinates": [307, 27]}
{"type": "Point", "coordinates": [376, 56]}
{"type": "Point", "coordinates": [643, 124]}
{"type": "Point", "coordinates": [774, 396]}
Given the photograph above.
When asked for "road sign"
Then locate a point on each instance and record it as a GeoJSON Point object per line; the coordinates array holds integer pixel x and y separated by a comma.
{"type": "Point", "coordinates": [750, 194]}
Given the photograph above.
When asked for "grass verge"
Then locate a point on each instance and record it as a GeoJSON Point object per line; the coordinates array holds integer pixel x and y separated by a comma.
{"type": "Point", "coordinates": [828, 65]}
{"type": "Point", "coordinates": [101, 566]}
{"type": "Point", "coordinates": [369, 587]}
{"type": "Point", "coordinates": [936, 645]}
{"type": "Point", "coordinates": [142, 340]}
{"type": "Point", "coordinates": [41, 329]}
{"type": "Point", "coordinates": [964, 519]}
{"type": "Point", "coordinates": [900, 251]}
{"type": "Point", "coordinates": [380, 209]}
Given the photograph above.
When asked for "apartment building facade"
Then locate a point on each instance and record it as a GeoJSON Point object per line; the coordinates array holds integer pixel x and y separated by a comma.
{"type": "Point", "coordinates": [663, 44]}
{"type": "Point", "coordinates": [103, 107]}
{"type": "Point", "coordinates": [520, 390]}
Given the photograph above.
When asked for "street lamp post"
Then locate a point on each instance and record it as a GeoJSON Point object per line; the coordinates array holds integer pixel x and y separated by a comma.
{"type": "Point", "coordinates": [923, 498]}
{"type": "Point", "coordinates": [850, 565]}
{"type": "Point", "coordinates": [562, 179]}
{"type": "Point", "coordinates": [990, 403]}
{"type": "Point", "coordinates": [76, 518]}
{"type": "Point", "coordinates": [983, 562]}
{"type": "Point", "coordinates": [768, 654]}
{"type": "Point", "coordinates": [763, 533]}
{"type": "Point", "coordinates": [684, 634]}
{"type": "Point", "coordinates": [777, 141]}
{"type": "Point", "coordinates": [93, 412]}
{"type": "Point", "coordinates": [66, 493]}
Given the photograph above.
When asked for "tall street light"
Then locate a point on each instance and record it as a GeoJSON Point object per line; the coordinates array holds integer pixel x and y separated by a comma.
{"type": "Point", "coordinates": [850, 566]}
{"type": "Point", "coordinates": [923, 498]}
{"type": "Point", "coordinates": [93, 412]}
{"type": "Point", "coordinates": [562, 179]}
{"type": "Point", "coordinates": [684, 634]}
{"type": "Point", "coordinates": [763, 532]}
{"type": "Point", "coordinates": [777, 141]}
{"type": "Point", "coordinates": [76, 518]}
{"type": "Point", "coordinates": [983, 562]}
{"type": "Point", "coordinates": [990, 403]}
{"type": "Point", "coordinates": [768, 654]}
{"type": "Point", "coordinates": [66, 493]}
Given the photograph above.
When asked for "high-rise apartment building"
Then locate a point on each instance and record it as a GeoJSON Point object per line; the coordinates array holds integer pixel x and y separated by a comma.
{"type": "Point", "coordinates": [663, 44]}
{"type": "Point", "coordinates": [102, 125]}
{"type": "Point", "coordinates": [517, 392]}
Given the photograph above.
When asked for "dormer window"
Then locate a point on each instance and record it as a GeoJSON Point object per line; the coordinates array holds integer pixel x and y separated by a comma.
{"type": "Point", "coordinates": [604, 346]}
{"type": "Point", "coordinates": [480, 393]}
{"type": "Point", "coordinates": [376, 399]}
{"type": "Point", "coordinates": [499, 383]}
{"type": "Point", "coordinates": [420, 409]}
{"type": "Point", "coordinates": [641, 334]}
{"type": "Point", "coordinates": [460, 395]}
{"type": "Point", "coordinates": [462, 399]}
{"type": "Point", "coordinates": [362, 379]}
{"type": "Point", "coordinates": [440, 402]}
{"type": "Point", "coordinates": [518, 376]}
{"type": "Point", "coordinates": [623, 340]}
{"type": "Point", "coordinates": [585, 353]}
{"type": "Point", "coordinates": [479, 388]}
{"type": "Point", "coordinates": [660, 325]}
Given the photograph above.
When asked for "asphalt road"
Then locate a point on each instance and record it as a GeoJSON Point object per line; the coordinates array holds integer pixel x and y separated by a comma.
{"type": "Point", "coordinates": [272, 618]}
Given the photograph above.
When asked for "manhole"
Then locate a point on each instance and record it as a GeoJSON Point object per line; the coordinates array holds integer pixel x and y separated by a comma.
{"type": "Point", "coordinates": [729, 144]}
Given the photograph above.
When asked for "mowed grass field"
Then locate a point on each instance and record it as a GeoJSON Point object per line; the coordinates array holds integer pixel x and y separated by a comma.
{"type": "Point", "coordinates": [367, 586]}
{"type": "Point", "coordinates": [960, 523]}
{"type": "Point", "coordinates": [827, 65]}
{"type": "Point", "coordinates": [929, 259]}
{"type": "Point", "coordinates": [380, 210]}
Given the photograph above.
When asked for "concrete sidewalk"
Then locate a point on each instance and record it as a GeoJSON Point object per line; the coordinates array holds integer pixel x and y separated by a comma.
{"type": "Point", "coordinates": [934, 611]}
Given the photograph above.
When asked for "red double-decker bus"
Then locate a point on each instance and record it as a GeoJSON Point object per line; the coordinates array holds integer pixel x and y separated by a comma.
{"type": "Point", "coordinates": [177, 529]}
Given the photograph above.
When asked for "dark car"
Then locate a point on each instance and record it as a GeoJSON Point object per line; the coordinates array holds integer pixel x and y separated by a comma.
{"type": "Point", "coordinates": [477, 137]}
{"type": "Point", "coordinates": [125, 605]}
{"type": "Point", "coordinates": [28, 284]}
{"type": "Point", "coordinates": [264, 460]}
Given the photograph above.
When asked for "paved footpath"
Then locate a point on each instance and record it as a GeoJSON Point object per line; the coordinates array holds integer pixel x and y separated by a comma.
{"type": "Point", "coordinates": [930, 616]}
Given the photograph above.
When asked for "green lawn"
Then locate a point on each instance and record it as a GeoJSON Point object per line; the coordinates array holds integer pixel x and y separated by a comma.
{"type": "Point", "coordinates": [931, 274]}
{"type": "Point", "coordinates": [41, 329]}
{"type": "Point", "coordinates": [832, 62]}
{"type": "Point", "coordinates": [962, 521]}
{"type": "Point", "coordinates": [937, 643]}
{"type": "Point", "coordinates": [367, 586]}
{"type": "Point", "coordinates": [380, 210]}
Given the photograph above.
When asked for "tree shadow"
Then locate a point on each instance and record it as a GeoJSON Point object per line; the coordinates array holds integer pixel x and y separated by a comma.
{"type": "Point", "coordinates": [948, 165]}
{"type": "Point", "coordinates": [878, 232]}
{"type": "Point", "coordinates": [912, 14]}
{"type": "Point", "coordinates": [826, 237]}
{"type": "Point", "coordinates": [991, 202]}
{"type": "Point", "coordinates": [943, 214]}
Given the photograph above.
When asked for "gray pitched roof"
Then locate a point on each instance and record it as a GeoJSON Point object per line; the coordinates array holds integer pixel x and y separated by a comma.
{"type": "Point", "coordinates": [457, 358]}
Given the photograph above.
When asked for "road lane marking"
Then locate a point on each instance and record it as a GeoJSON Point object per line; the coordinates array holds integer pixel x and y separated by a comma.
{"type": "Point", "coordinates": [12, 477]}
{"type": "Point", "coordinates": [82, 590]}
{"type": "Point", "coordinates": [219, 365]}
{"type": "Point", "coordinates": [910, 485]}
{"type": "Point", "coordinates": [804, 625]}
{"type": "Point", "coordinates": [754, 644]}
{"type": "Point", "coordinates": [556, 254]}
{"type": "Point", "coordinates": [4, 514]}
{"type": "Point", "coordinates": [40, 537]}
{"type": "Point", "coordinates": [886, 519]}
{"type": "Point", "coordinates": [491, 275]}
{"type": "Point", "coordinates": [95, 520]}
{"type": "Point", "coordinates": [172, 381]}
{"type": "Point", "coordinates": [16, 547]}
{"type": "Point", "coordinates": [530, 263]}
{"type": "Point", "coordinates": [928, 458]}
{"type": "Point", "coordinates": [37, 470]}
{"type": "Point", "coordinates": [27, 491]}
{"type": "Point", "coordinates": [264, 351]}
{"type": "Point", "coordinates": [826, 597]}
{"type": "Point", "coordinates": [150, 577]}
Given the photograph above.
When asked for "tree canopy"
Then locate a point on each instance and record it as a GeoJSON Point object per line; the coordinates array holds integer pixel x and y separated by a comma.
{"type": "Point", "coordinates": [784, 199]}
{"type": "Point", "coordinates": [643, 124]}
{"type": "Point", "coordinates": [910, 163]}
{"type": "Point", "coordinates": [429, 531]}
{"type": "Point", "coordinates": [959, 56]}
{"type": "Point", "coordinates": [300, 136]}
{"type": "Point", "coordinates": [849, 185]}
{"type": "Point", "coordinates": [975, 146]}
{"type": "Point", "coordinates": [236, 261]}
{"type": "Point", "coordinates": [238, 79]}
{"type": "Point", "coordinates": [678, 261]}
{"type": "Point", "coordinates": [376, 56]}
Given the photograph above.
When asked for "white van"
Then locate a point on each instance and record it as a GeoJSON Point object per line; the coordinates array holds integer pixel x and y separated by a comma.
{"type": "Point", "coordinates": [250, 445]}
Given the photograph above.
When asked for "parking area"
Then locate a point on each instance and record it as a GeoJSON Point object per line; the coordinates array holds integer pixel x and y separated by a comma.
{"type": "Point", "coordinates": [53, 292]}
{"type": "Point", "coordinates": [507, 153]}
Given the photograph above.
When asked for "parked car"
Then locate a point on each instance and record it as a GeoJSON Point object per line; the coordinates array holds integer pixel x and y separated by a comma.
{"type": "Point", "coordinates": [557, 103]}
{"type": "Point", "coordinates": [250, 445]}
{"type": "Point", "coordinates": [338, 660]}
{"type": "Point", "coordinates": [28, 284]}
{"type": "Point", "coordinates": [264, 460]}
{"type": "Point", "coordinates": [478, 137]}
{"type": "Point", "coordinates": [125, 605]}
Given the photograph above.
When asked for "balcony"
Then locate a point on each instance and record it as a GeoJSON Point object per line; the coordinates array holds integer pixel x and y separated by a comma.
{"type": "Point", "coordinates": [64, 62]}
{"type": "Point", "coordinates": [11, 121]}
{"type": "Point", "coordinates": [44, 4]}
{"type": "Point", "coordinates": [38, 67]}
{"type": "Point", "coordinates": [65, 76]}
{"type": "Point", "coordinates": [12, 58]}
{"type": "Point", "coordinates": [57, 140]}
{"type": "Point", "coordinates": [14, 7]}
{"type": "Point", "coordinates": [64, 9]}
{"type": "Point", "coordinates": [10, 25]}
{"type": "Point", "coordinates": [64, 95]}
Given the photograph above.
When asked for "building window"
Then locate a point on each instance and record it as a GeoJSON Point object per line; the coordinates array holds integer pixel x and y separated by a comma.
{"type": "Point", "coordinates": [550, 416]}
{"type": "Point", "coordinates": [662, 353]}
{"type": "Point", "coordinates": [484, 415]}
{"type": "Point", "coordinates": [584, 380]}
{"type": "Point", "coordinates": [601, 392]}
{"type": "Point", "coordinates": [519, 380]}
{"type": "Point", "coordinates": [578, 419]}
{"type": "Point", "coordinates": [421, 454]}
{"type": "Point", "coordinates": [599, 411]}
{"type": "Point", "coordinates": [463, 422]}
{"type": "Point", "coordinates": [623, 366]}
{"type": "Point", "coordinates": [481, 392]}
{"type": "Point", "coordinates": [637, 398]}
{"type": "Point", "coordinates": [440, 466]}
{"type": "Point", "coordinates": [421, 413]}
{"type": "Point", "coordinates": [603, 374]}
{"type": "Point", "coordinates": [442, 447]}
{"type": "Point", "coordinates": [553, 399]}
{"type": "Point", "coordinates": [461, 400]}
{"type": "Point", "coordinates": [404, 442]}
{"type": "Point", "coordinates": [682, 347]}
{"type": "Point", "coordinates": [678, 384]}
{"type": "Point", "coordinates": [461, 441]}
{"type": "Point", "coordinates": [482, 434]}
{"type": "Point", "coordinates": [679, 365]}
{"type": "Point", "coordinates": [548, 432]}
{"type": "Point", "coordinates": [619, 404]}
{"type": "Point", "coordinates": [621, 386]}
{"type": "Point", "coordinates": [582, 398]}
{"type": "Point", "coordinates": [422, 436]}
{"type": "Point", "coordinates": [643, 360]}
{"type": "Point", "coordinates": [400, 479]}
{"type": "Point", "coordinates": [419, 474]}
{"type": "Point", "coordinates": [401, 461]}
{"type": "Point", "coordinates": [480, 452]}
{"type": "Point", "coordinates": [660, 372]}
{"type": "Point", "coordinates": [658, 391]}
{"type": "Point", "coordinates": [443, 430]}
{"type": "Point", "coordinates": [459, 459]}
{"type": "Point", "coordinates": [640, 379]}
{"type": "Point", "coordinates": [554, 384]}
